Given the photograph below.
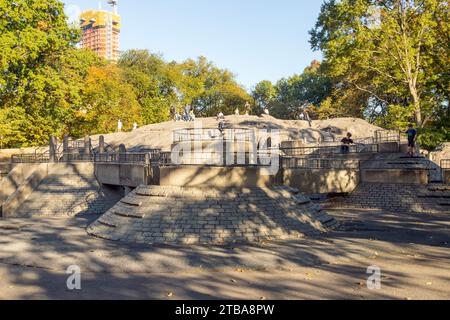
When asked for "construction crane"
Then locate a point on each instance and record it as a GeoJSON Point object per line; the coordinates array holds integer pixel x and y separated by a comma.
{"type": "Point", "coordinates": [113, 4]}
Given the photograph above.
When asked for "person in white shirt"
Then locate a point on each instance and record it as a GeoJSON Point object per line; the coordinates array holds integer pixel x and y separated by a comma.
{"type": "Point", "coordinates": [119, 125]}
{"type": "Point", "coordinates": [192, 115]}
{"type": "Point", "coordinates": [135, 126]}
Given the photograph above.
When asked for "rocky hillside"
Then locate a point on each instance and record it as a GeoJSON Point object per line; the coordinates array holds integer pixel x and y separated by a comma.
{"type": "Point", "coordinates": [161, 135]}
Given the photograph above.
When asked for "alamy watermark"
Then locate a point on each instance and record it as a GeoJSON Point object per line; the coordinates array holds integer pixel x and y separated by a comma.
{"type": "Point", "coordinates": [74, 280]}
{"type": "Point", "coordinates": [374, 280]}
{"type": "Point", "coordinates": [227, 147]}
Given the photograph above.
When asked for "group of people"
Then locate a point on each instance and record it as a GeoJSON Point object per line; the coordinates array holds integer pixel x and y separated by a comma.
{"type": "Point", "coordinates": [346, 142]}
{"type": "Point", "coordinates": [411, 134]}
{"type": "Point", "coordinates": [120, 126]}
{"type": "Point", "coordinates": [187, 116]}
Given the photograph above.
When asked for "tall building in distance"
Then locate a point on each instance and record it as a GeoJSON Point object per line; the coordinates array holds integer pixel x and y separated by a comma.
{"type": "Point", "coordinates": [101, 31]}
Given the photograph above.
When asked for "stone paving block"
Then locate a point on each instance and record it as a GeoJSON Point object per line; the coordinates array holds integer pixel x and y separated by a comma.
{"type": "Point", "coordinates": [188, 215]}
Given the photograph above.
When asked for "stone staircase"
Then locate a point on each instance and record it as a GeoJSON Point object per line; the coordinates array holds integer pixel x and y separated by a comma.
{"type": "Point", "coordinates": [397, 198]}
{"type": "Point", "coordinates": [156, 214]}
{"type": "Point", "coordinates": [68, 195]}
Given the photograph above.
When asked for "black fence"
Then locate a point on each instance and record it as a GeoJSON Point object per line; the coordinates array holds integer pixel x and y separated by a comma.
{"type": "Point", "coordinates": [46, 157]}
{"type": "Point", "coordinates": [327, 150]}
{"type": "Point", "coordinates": [403, 164]}
{"type": "Point", "coordinates": [212, 134]}
{"type": "Point", "coordinates": [387, 136]}
{"type": "Point", "coordinates": [217, 158]}
{"type": "Point", "coordinates": [307, 163]}
{"type": "Point", "coordinates": [445, 164]}
{"type": "Point", "coordinates": [130, 158]}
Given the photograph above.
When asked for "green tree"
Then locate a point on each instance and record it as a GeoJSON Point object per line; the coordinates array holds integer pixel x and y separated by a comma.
{"type": "Point", "coordinates": [307, 90]}
{"type": "Point", "coordinates": [384, 49]}
{"type": "Point", "coordinates": [38, 91]}
{"type": "Point", "coordinates": [263, 93]}
{"type": "Point", "coordinates": [106, 98]}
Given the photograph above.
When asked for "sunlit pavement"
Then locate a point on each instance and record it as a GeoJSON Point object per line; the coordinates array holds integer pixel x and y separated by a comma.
{"type": "Point", "coordinates": [412, 251]}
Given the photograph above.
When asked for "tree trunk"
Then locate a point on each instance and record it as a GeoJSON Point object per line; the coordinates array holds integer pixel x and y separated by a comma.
{"type": "Point", "coordinates": [417, 108]}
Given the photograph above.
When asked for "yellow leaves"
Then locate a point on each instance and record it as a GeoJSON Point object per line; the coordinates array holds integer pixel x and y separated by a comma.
{"type": "Point", "coordinates": [43, 25]}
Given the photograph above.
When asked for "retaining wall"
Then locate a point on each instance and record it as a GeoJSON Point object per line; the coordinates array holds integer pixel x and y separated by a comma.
{"type": "Point", "coordinates": [446, 176]}
{"type": "Point", "coordinates": [217, 177]}
{"type": "Point", "coordinates": [315, 181]}
{"type": "Point", "coordinates": [397, 176]}
{"type": "Point", "coordinates": [20, 183]}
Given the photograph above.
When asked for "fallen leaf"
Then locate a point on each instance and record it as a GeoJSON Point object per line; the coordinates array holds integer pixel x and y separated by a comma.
{"type": "Point", "coordinates": [234, 281]}
{"type": "Point", "coordinates": [170, 294]}
{"type": "Point", "coordinates": [263, 298]}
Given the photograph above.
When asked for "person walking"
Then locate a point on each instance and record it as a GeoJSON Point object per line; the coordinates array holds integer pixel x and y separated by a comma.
{"type": "Point", "coordinates": [412, 139]}
{"type": "Point", "coordinates": [135, 126]}
{"type": "Point", "coordinates": [119, 126]}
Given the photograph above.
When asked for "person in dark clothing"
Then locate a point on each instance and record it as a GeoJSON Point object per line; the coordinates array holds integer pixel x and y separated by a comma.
{"type": "Point", "coordinates": [346, 142]}
{"type": "Point", "coordinates": [173, 113]}
{"type": "Point", "coordinates": [412, 138]}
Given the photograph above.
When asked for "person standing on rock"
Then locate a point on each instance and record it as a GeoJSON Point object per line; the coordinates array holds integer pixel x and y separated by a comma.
{"type": "Point", "coordinates": [192, 116]}
{"type": "Point", "coordinates": [247, 108]}
{"type": "Point", "coordinates": [173, 113]}
{"type": "Point", "coordinates": [307, 118]}
{"type": "Point", "coordinates": [221, 120]}
{"type": "Point", "coordinates": [412, 139]}
{"type": "Point", "coordinates": [187, 112]}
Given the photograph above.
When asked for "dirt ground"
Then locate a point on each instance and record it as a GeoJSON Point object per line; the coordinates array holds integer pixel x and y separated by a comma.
{"type": "Point", "coordinates": [412, 251]}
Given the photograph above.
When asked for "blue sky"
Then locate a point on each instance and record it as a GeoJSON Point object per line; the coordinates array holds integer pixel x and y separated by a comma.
{"type": "Point", "coordinates": [255, 39]}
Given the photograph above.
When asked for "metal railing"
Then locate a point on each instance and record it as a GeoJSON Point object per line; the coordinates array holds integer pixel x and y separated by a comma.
{"type": "Point", "coordinates": [30, 158]}
{"type": "Point", "coordinates": [46, 157]}
{"type": "Point", "coordinates": [233, 159]}
{"type": "Point", "coordinates": [403, 164]}
{"type": "Point", "coordinates": [317, 151]}
{"type": "Point", "coordinates": [387, 136]}
{"type": "Point", "coordinates": [126, 158]}
{"type": "Point", "coordinates": [304, 163]}
{"type": "Point", "coordinates": [445, 164]}
{"type": "Point", "coordinates": [211, 134]}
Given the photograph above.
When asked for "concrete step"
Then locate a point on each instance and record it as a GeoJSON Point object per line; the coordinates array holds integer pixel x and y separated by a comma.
{"type": "Point", "coordinates": [195, 215]}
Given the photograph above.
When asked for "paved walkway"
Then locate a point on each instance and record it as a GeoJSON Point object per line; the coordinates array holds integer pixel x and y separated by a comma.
{"type": "Point", "coordinates": [413, 252]}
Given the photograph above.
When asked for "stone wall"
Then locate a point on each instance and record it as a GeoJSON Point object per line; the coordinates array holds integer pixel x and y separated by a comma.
{"type": "Point", "coordinates": [60, 189]}
{"type": "Point", "coordinates": [315, 181]}
{"type": "Point", "coordinates": [161, 214]}
{"type": "Point", "coordinates": [218, 177]}
{"type": "Point", "coordinates": [396, 198]}
{"type": "Point", "coordinates": [400, 176]}
{"type": "Point", "coordinates": [69, 195]}
{"type": "Point", "coordinates": [16, 177]}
